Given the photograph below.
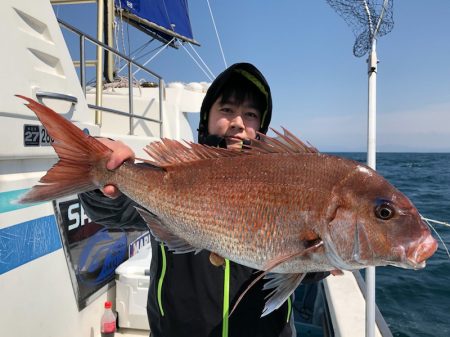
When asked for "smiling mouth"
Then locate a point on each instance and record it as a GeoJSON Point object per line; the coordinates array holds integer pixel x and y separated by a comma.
{"type": "Point", "coordinates": [234, 141]}
{"type": "Point", "coordinates": [234, 138]}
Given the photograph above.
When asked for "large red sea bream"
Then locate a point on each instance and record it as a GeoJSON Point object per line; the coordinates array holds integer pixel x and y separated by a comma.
{"type": "Point", "coordinates": [279, 207]}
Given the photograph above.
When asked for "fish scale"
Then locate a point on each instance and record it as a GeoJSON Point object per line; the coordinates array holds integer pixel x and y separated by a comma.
{"type": "Point", "coordinates": [223, 224]}
{"type": "Point", "coordinates": [181, 205]}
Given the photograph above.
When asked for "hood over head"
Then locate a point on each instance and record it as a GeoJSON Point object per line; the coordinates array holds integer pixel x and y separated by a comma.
{"type": "Point", "coordinates": [250, 76]}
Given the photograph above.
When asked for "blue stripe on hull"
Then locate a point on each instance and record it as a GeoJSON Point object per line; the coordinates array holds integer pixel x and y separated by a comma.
{"type": "Point", "coordinates": [8, 200]}
{"type": "Point", "coordinates": [27, 241]}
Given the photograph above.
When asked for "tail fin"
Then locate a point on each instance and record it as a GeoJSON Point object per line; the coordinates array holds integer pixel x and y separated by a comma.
{"type": "Point", "coordinates": [80, 155]}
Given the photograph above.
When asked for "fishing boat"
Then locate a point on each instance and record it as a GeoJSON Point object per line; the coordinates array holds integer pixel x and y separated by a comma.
{"type": "Point", "coordinates": [57, 267]}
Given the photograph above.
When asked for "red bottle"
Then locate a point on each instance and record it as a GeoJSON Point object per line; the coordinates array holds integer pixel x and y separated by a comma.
{"type": "Point", "coordinates": [108, 322]}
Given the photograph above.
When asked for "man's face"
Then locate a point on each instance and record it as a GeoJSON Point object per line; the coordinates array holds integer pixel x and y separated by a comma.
{"type": "Point", "coordinates": [235, 122]}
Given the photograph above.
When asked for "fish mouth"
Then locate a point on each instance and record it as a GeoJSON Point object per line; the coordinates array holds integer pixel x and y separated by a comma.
{"type": "Point", "coordinates": [418, 254]}
{"type": "Point", "coordinates": [415, 255]}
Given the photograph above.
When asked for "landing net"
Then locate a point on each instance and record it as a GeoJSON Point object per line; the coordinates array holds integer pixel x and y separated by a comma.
{"type": "Point", "coordinates": [368, 20]}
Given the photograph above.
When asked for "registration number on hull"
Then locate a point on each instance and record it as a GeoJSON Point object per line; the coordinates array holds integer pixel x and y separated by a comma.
{"type": "Point", "coordinates": [36, 135]}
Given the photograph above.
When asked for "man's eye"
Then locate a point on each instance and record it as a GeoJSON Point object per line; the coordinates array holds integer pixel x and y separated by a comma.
{"type": "Point", "coordinates": [251, 115]}
{"type": "Point", "coordinates": [226, 110]}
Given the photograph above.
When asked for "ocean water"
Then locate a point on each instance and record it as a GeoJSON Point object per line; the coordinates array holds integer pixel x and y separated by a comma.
{"type": "Point", "coordinates": [417, 303]}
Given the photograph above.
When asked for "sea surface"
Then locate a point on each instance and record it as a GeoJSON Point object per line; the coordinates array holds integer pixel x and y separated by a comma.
{"type": "Point", "coordinates": [416, 303]}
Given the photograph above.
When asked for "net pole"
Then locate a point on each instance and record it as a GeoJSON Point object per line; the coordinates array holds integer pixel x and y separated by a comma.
{"type": "Point", "coordinates": [371, 161]}
{"type": "Point", "coordinates": [372, 107]}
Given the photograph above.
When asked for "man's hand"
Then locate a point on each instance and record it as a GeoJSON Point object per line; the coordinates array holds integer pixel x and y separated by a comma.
{"type": "Point", "coordinates": [216, 260]}
{"type": "Point", "coordinates": [121, 153]}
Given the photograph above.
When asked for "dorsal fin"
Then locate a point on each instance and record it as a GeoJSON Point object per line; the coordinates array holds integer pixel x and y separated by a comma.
{"type": "Point", "coordinates": [167, 152]}
{"type": "Point", "coordinates": [285, 143]}
{"type": "Point", "coordinates": [170, 152]}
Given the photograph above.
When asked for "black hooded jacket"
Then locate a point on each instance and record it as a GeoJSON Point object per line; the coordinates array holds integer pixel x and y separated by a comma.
{"type": "Point", "coordinates": [247, 72]}
{"type": "Point", "coordinates": [187, 293]}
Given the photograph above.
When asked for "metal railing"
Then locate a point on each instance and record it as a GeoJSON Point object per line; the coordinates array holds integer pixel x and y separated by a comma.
{"type": "Point", "coordinates": [385, 331]}
{"type": "Point", "coordinates": [130, 63]}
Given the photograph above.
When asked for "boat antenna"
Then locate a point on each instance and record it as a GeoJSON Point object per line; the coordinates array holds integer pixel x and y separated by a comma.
{"type": "Point", "coordinates": [369, 19]}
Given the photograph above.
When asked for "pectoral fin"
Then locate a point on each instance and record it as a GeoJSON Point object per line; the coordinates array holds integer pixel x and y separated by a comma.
{"type": "Point", "coordinates": [163, 234]}
{"type": "Point", "coordinates": [283, 286]}
{"type": "Point", "coordinates": [270, 266]}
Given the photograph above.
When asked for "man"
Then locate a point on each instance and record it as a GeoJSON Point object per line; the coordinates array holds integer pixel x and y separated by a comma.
{"type": "Point", "coordinates": [192, 294]}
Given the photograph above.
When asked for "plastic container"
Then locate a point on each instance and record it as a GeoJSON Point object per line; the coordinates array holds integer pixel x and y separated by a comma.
{"type": "Point", "coordinates": [108, 321]}
{"type": "Point", "coordinates": [132, 281]}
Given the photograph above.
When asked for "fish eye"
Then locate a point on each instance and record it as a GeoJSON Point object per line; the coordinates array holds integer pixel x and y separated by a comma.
{"type": "Point", "coordinates": [384, 210]}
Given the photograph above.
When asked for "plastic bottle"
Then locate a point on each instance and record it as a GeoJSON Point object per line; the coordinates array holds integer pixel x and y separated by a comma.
{"type": "Point", "coordinates": [108, 322]}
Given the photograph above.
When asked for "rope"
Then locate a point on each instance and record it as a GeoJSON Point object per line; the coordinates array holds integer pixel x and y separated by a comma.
{"type": "Point", "coordinates": [141, 56]}
{"type": "Point", "coordinates": [120, 27]}
{"type": "Point", "coordinates": [151, 58]}
{"type": "Point", "coordinates": [198, 64]}
{"type": "Point", "coordinates": [167, 15]}
{"type": "Point", "coordinates": [141, 48]}
{"type": "Point", "coordinates": [217, 34]}
{"type": "Point", "coordinates": [436, 221]}
{"type": "Point", "coordinates": [207, 68]}
{"type": "Point", "coordinates": [121, 30]}
{"type": "Point", "coordinates": [116, 41]}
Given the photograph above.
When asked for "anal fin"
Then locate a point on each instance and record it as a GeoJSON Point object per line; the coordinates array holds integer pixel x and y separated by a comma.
{"type": "Point", "coordinates": [163, 234]}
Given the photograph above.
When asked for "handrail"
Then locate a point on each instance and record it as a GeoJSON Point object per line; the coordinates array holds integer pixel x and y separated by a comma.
{"type": "Point", "coordinates": [112, 50]}
{"type": "Point", "coordinates": [385, 331]}
{"type": "Point", "coordinates": [41, 95]}
{"type": "Point", "coordinates": [130, 62]}
{"type": "Point", "coordinates": [121, 113]}
{"type": "Point", "coordinates": [54, 95]}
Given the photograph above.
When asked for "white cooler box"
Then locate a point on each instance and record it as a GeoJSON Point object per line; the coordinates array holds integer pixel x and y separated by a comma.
{"type": "Point", "coordinates": [131, 290]}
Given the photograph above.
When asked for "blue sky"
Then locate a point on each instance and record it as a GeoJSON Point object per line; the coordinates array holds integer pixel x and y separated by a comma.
{"type": "Point", "coordinates": [304, 48]}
